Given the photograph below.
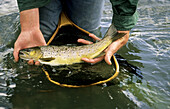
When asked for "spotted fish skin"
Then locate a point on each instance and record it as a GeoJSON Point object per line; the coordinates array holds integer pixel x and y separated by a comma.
{"type": "Point", "coordinates": [66, 55]}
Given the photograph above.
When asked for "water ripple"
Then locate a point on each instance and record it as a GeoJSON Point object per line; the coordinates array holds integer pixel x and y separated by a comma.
{"type": "Point", "coordinates": [7, 7]}
{"type": "Point", "coordinates": [148, 48]}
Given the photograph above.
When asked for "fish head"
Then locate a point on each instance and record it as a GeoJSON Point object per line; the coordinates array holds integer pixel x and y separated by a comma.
{"type": "Point", "coordinates": [31, 53]}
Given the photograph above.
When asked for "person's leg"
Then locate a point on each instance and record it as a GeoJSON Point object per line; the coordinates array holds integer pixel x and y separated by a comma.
{"type": "Point", "coordinates": [49, 16]}
{"type": "Point", "coordinates": [85, 13]}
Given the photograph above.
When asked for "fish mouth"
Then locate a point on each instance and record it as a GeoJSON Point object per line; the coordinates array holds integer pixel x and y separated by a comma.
{"type": "Point", "coordinates": [24, 54]}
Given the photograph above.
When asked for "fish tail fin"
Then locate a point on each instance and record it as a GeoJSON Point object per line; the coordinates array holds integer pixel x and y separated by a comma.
{"type": "Point", "coordinates": [112, 31]}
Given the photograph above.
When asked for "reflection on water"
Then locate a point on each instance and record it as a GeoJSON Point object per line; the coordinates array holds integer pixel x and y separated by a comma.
{"type": "Point", "coordinates": [148, 49]}
{"type": "Point", "coordinates": [7, 7]}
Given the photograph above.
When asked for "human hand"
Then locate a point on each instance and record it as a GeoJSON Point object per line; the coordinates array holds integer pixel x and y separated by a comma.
{"type": "Point", "coordinates": [112, 48]}
{"type": "Point", "coordinates": [30, 35]}
{"type": "Point", "coordinates": [28, 39]}
{"type": "Point", "coordinates": [95, 60]}
{"type": "Point", "coordinates": [115, 46]}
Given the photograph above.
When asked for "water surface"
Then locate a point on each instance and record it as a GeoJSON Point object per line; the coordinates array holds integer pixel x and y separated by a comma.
{"type": "Point", "coordinates": [23, 86]}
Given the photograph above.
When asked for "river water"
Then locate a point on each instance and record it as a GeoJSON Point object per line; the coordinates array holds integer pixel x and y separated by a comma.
{"type": "Point", "coordinates": [26, 87]}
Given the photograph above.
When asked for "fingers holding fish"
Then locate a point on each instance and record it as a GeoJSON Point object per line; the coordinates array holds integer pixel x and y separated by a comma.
{"type": "Point", "coordinates": [95, 38]}
{"type": "Point", "coordinates": [31, 62]}
{"type": "Point", "coordinates": [115, 46]}
{"type": "Point", "coordinates": [95, 60]}
{"type": "Point", "coordinates": [37, 63]}
{"type": "Point", "coordinates": [84, 41]}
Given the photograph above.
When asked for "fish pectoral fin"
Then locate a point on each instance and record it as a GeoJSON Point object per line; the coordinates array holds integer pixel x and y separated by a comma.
{"type": "Point", "coordinates": [47, 59]}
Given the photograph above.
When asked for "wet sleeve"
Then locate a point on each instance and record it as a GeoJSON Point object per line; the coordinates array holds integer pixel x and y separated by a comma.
{"type": "Point", "coordinates": [30, 4]}
{"type": "Point", "coordinates": [124, 14]}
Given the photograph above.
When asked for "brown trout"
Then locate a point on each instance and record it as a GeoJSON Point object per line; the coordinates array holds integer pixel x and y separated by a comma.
{"type": "Point", "coordinates": [67, 55]}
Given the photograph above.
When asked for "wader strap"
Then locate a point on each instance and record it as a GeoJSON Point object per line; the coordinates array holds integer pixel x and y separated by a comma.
{"type": "Point", "coordinates": [64, 20]}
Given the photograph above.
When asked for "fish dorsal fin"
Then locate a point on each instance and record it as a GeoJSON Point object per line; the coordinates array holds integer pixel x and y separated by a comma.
{"type": "Point", "coordinates": [47, 59]}
{"type": "Point", "coordinates": [112, 31]}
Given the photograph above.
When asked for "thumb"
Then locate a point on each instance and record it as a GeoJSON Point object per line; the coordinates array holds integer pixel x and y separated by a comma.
{"type": "Point", "coordinates": [15, 53]}
{"type": "Point", "coordinates": [108, 57]}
